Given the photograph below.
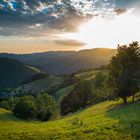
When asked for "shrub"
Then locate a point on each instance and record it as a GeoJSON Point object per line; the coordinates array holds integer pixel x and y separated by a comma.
{"type": "Point", "coordinates": [25, 108]}
{"type": "Point", "coordinates": [9, 103]}
{"type": "Point", "coordinates": [43, 107]}
{"type": "Point", "coordinates": [46, 107]}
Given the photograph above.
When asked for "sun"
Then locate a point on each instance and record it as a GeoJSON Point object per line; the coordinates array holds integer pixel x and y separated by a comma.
{"type": "Point", "coordinates": [107, 33]}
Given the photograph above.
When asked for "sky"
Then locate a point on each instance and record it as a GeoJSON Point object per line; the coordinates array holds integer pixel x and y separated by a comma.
{"type": "Point", "coordinates": [28, 26]}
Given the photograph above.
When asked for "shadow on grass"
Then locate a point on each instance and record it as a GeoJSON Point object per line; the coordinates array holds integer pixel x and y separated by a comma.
{"type": "Point", "coordinates": [128, 119]}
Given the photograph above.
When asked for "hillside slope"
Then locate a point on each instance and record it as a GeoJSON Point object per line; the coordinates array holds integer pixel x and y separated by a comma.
{"type": "Point", "coordinates": [50, 82]}
{"type": "Point", "coordinates": [46, 83]}
{"type": "Point", "coordinates": [103, 121]}
{"type": "Point", "coordinates": [13, 72]}
{"type": "Point", "coordinates": [87, 75]}
{"type": "Point", "coordinates": [66, 62]}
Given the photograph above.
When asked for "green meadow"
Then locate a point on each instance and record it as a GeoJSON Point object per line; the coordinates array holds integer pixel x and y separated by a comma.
{"type": "Point", "coordinates": [105, 121]}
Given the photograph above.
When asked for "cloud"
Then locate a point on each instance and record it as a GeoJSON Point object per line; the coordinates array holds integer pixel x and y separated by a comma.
{"type": "Point", "coordinates": [69, 43]}
{"type": "Point", "coordinates": [36, 26]}
{"type": "Point", "coordinates": [120, 11]}
{"type": "Point", "coordinates": [21, 17]}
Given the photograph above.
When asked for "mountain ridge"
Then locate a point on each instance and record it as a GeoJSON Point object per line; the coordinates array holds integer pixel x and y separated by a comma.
{"type": "Point", "coordinates": [65, 62]}
{"type": "Point", "coordinates": [13, 72]}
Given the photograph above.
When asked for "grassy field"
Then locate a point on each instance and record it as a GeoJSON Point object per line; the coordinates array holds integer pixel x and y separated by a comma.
{"type": "Point", "coordinates": [46, 83]}
{"type": "Point", "coordinates": [63, 92]}
{"type": "Point", "coordinates": [41, 84]}
{"type": "Point", "coordinates": [34, 69]}
{"type": "Point", "coordinates": [108, 120]}
{"type": "Point", "coordinates": [90, 74]}
{"type": "Point", "coordinates": [82, 76]}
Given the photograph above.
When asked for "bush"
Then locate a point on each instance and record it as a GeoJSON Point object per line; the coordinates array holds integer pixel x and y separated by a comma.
{"type": "Point", "coordinates": [9, 103]}
{"type": "Point", "coordinates": [46, 107]}
{"type": "Point", "coordinates": [25, 108]}
{"type": "Point", "coordinates": [43, 107]}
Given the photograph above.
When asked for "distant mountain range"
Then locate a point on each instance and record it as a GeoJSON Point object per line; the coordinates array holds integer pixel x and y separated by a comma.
{"type": "Point", "coordinates": [65, 62]}
{"type": "Point", "coordinates": [13, 72]}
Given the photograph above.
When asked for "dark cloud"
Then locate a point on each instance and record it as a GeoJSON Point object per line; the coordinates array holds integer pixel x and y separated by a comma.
{"type": "Point", "coordinates": [27, 13]}
{"type": "Point", "coordinates": [69, 43]}
{"type": "Point", "coordinates": [120, 11]}
{"type": "Point", "coordinates": [17, 16]}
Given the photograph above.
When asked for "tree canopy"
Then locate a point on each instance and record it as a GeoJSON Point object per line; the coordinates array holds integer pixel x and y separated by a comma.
{"type": "Point", "coordinates": [43, 107]}
{"type": "Point", "coordinates": [125, 71]}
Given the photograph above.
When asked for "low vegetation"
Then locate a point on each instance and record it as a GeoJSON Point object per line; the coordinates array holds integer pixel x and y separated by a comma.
{"type": "Point", "coordinates": [43, 107]}
{"type": "Point", "coordinates": [106, 120]}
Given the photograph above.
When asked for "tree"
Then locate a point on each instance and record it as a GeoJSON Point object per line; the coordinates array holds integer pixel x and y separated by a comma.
{"type": "Point", "coordinates": [25, 108]}
{"type": "Point", "coordinates": [80, 97]}
{"type": "Point", "coordinates": [43, 107]}
{"type": "Point", "coordinates": [9, 103]}
{"type": "Point", "coordinates": [102, 90]}
{"type": "Point", "coordinates": [84, 90]}
{"type": "Point", "coordinates": [125, 71]}
{"type": "Point", "coordinates": [99, 80]}
{"type": "Point", "coordinates": [46, 107]}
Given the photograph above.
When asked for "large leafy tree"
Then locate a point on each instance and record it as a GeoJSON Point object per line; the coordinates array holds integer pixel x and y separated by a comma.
{"type": "Point", "coordinates": [125, 71]}
{"type": "Point", "coordinates": [25, 108]}
{"type": "Point", "coordinates": [80, 97]}
{"type": "Point", "coordinates": [46, 107]}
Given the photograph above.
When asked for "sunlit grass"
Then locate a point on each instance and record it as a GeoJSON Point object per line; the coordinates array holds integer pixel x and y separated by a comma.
{"type": "Point", "coordinates": [107, 120]}
{"type": "Point", "coordinates": [90, 74]}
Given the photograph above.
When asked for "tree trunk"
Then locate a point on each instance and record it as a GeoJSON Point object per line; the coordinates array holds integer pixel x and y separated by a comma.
{"type": "Point", "coordinates": [124, 100]}
{"type": "Point", "coordinates": [133, 99]}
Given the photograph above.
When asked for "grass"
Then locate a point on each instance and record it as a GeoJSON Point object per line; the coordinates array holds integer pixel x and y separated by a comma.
{"type": "Point", "coordinates": [41, 84]}
{"type": "Point", "coordinates": [63, 92]}
{"type": "Point", "coordinates": [51, 81]}
{"type": "Point", "coordinates": [34, 69]}
{"type": "Point", "coordinates": [82, 76]}
{"type": "Point", "coordinates": [90, 74]}
{"type": "Point", "coordinates": [107, 120]}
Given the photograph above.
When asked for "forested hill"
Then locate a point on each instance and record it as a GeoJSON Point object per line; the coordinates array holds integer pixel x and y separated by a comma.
{"type": "Point", "coordinates": [13, 72]}
{"type": "Point", "coordinates": [65, 62]}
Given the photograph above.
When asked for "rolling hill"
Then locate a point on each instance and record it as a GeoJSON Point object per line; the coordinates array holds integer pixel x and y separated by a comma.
{"type": "Point", "coordinates": [36, 86]}
{"type": "Point", "coordinates": [13, 72]}
{"type": "Point", "coordinates": [44, 82]}
{"type": "Point", "coordinates": [106, 120]}
{"type": "Point", "coordinates": [65, 62]}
